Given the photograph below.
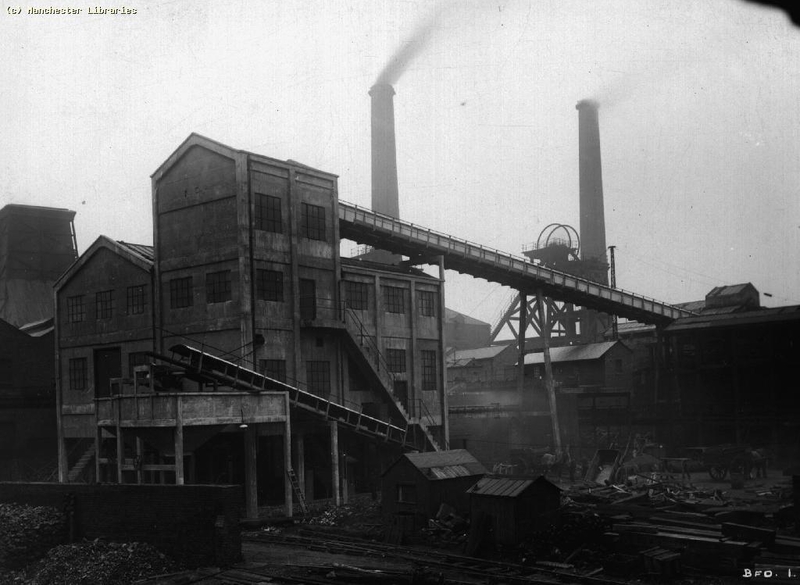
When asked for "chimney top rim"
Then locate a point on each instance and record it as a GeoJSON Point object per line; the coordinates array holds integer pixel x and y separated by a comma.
{"type": "Point", "coordinates": [588, 103]}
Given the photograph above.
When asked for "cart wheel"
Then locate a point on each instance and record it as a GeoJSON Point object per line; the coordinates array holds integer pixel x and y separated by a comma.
{"type": "Point", "coordinates": [717, 472]}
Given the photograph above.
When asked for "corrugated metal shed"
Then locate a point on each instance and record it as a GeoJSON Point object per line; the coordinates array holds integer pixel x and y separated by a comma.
{"type": "Point", "coordinates": [573, 353]}
{"type": "Point", "coordinates": [446, 464]}
{"type": "Point", "coordinates": [706, 321]}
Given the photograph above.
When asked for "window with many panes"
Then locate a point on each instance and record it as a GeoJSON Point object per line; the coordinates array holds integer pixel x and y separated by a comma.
{"type": "Point", "coordinates": [427, 303]}
{"type": "Point", "coordinates": [396, 360]}
{"type": "Point", "coordinates": [218, 286]}
{"type": "Point", "coordinates": [76, 309]}
{"type": "Point", "coordinates": [312, 222]}
{"type": "Point", "coordinates": [275, 369]}
{"type": "Point", "coordinates": [105, 304]}
{"type": "Point", "coordinates": [269, 285]}
{"type": "Point", "coordinates": [318, 377]}
{"type": "Point", "coordinates": [180, 292]}
{"type": "Point", "coordinates": [356, 295]}
{"type": "Point", "coordinates": [78, 370]}
{"type": "Point", "coordinates": [394, 299]}
{"type": "Point", "coordinates": [268, 213]}
{"type": "Point", "coordinates": [428, 360]}
{"type": "Point", "coordinates": [137, 299]}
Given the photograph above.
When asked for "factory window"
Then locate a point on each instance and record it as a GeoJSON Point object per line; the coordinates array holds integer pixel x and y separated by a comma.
{"type": "Point", "coordinates": [268, 213]}
{"type": "Point", "coordinates": [76, 309]}
{"type": "Point", "coordinates": [427, 303]}
{"type": "Point", "coordinates": [137, 358]}
{"type": "Point", "coordinates": [78, 370]}
{"type": "Point", "coordinates": [269, 285]}
{"type": "Point", "coordinates": [428, 370]}
{"type": "Point", "coordinates": [275, 369]}
{"type": "Point", "coordinates": [308, 299]}
{"type": "Point", "coordinates": [357, 295]}
{"type": "Point", "coordinates": [218, 286]}
{"type": "Point", "coordinates": [406, 493]}
{"type": "Point", "coordinates": [396, 360]}
{"type": "Point", "coordinates": [395, 299]}
{"type": "Point", "coordinates": [105, 304]}
{"type": "Point", "coordinates": [318, 377]}
{"type": "Point", "coordinates": [312, 222]}
{"type": "Point", "coordinates": [180, 292]}
{"type": "Point", "coordinates": [137, 299]}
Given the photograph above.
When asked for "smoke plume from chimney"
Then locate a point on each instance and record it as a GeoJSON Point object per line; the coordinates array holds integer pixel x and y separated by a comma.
{"type": "Point", "coordinates": [405, 54]}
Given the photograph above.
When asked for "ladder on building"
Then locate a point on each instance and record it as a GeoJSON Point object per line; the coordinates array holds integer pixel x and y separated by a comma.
{"type": "Point", "coordinates": [301, 499]}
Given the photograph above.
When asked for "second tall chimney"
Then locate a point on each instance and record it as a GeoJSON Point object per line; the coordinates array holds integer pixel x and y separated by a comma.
{"type": "Point", "coordinates": [592, 225]}
{"type": "Point", "coordinates": [385, 197]}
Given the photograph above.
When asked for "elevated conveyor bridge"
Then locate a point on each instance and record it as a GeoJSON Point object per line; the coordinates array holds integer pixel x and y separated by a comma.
{"type": "Point", "coordinates": [401, 237]}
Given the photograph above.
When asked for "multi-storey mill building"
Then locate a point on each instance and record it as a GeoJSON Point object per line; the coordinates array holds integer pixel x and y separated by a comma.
{"type": "Point", "coordinates": [245, 267]}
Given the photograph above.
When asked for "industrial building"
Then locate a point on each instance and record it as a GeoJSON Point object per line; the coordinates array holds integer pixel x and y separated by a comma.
{"type": "Point", "coordinates": [36, 245]}
{"type": "Point", "coordinates": [245, 273]}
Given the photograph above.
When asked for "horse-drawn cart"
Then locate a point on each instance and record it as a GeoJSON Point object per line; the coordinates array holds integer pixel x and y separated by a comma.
{"type": "Point", "coordinates": [723, 459]}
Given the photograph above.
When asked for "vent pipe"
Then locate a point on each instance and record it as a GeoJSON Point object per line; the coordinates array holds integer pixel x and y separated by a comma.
{"type": "Point", "coordinates": [592, 224]}
{"type": "Point", "coordinates": [385, 197]}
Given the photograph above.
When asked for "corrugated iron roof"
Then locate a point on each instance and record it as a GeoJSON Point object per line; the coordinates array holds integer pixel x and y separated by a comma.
{"type": "Point", "coordinates": [463, 357]}
{"type": "Point", "coordinates": [507, 487]}
{"type": "Point", "coordinates": [790, 313]}
{"type": "Point", "coordinates": [446, 464]}
{"type": "Point", "coordinates": [573, 353]}
{"type": "Point", "coordinates": [146, 252]}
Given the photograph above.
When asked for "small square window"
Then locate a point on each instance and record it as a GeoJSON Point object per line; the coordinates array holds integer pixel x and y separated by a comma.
{"type": "Point", "coordinates": [395, 299]}
{"type": "Point", "coordinates": [312, 222]}
{"type": "Point", "coordinates": [218, 286]}
{"type": "Point", "coordinates": [427, 303]}
{"type": "Point", "coordinates": [269, 285]}
{"type": "Point", "coordinates": [76, 309]}
{"type": "Point", "coordinates": [137, 299]}
{"type": "Point", "coordinates": [268, 213]}
{"type": "Point", "coordinates": [105, 304]}
{"type": "Point", "coordinates": [180, 292]}
{"type": "Point", "coordinates": [78, 371]}
{"type": "Point", "coordinates": [356, 295]}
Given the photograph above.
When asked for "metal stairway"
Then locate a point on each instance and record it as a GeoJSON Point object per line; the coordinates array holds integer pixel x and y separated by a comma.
{"type": "Point", "coordinates": [371, 359]}
{"type": "Point", "coordinates": [227, 373]}
{"type": "Point", "coordinates": [401, 237]}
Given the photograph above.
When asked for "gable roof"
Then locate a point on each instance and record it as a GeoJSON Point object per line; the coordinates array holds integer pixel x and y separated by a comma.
{"type": "Point", "coordinates": [138, 254]}
{"type": "Point", "coordinates": [574, 353]}
{"type": "Point", "coordinates": [508, 487]}
{"type": "Point", "coordinates": [435, 465]}
{"type": "Point", "coordinates": [451, 316]}
{"type": "Point", "coordinates": [195, 139]}
{"type": "Point", "coordinates": [464, 357]}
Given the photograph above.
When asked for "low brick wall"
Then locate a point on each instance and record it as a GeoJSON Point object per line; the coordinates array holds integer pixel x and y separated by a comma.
{"type": "Point", "coordinates": [197, 525]}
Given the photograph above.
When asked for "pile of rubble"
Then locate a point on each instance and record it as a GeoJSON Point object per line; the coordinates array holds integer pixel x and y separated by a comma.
{"type": "Point", "coordinates": [656, 525]}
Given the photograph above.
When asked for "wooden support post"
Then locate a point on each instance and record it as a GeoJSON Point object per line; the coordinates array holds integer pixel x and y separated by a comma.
{"type": "Point", "coordinates": [523, 324]}
{"type": "Point", "coordinates": [548, 372]}
{"type": "Point", "coordinates": [120, 444]}
{"type": "Point", "coordinates": [337, 491]}
{"type": "Point", "coordinates": [98, 444]}
{"type": "Point", "coordinates": [287, 461]}
{"type": "Point", "coordinates": [178, 441]}
{"type": "Point", "coordinates": [139, 460]}
{"type": "Point", "coordinates": [250, 473]}
{"type": "Point", "coordinates": [300, 461]}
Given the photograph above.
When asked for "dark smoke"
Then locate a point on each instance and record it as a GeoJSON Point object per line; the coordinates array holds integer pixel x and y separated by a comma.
{"type": "Point", "coordinates": [407, 51]}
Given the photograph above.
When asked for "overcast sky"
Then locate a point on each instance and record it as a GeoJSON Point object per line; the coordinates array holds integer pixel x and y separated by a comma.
{"type": "Point", "coordinates": [699, 120]}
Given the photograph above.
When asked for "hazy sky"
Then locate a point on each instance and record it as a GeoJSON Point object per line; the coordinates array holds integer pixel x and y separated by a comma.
{"type": "Point", "coordinates": [699, 120]}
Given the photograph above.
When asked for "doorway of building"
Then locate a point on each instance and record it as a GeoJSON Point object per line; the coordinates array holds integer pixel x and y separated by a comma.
{"type": "Point", "coordinates": [107, 365]}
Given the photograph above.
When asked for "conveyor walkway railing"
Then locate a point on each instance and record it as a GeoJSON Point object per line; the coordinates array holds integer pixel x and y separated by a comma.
{"type": "Point", "coordinates": [401, 237]}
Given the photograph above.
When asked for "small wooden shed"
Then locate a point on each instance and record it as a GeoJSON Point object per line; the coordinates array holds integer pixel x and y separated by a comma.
{"type": "Point", "coordinates": [513, 508]}
{"type": "Point", "coordinates": [417, 484]}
